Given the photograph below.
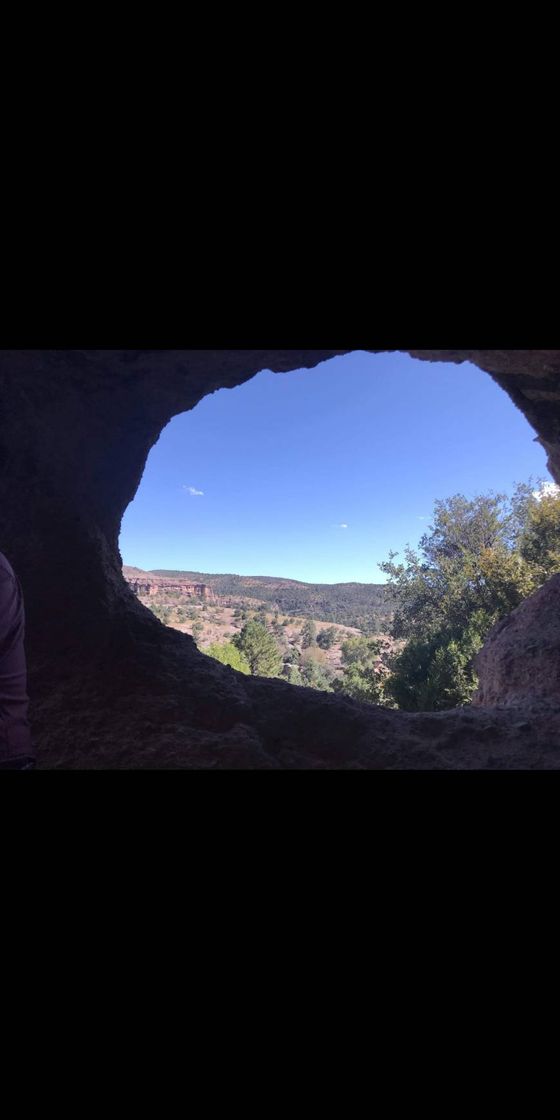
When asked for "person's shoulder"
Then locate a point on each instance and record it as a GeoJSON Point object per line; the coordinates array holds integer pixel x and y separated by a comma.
{"type": "Point", "coordinates": [6, 570]}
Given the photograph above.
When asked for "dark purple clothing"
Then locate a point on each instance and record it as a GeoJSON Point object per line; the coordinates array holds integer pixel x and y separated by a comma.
{"type": "Point", "coordinates": [15, 738]}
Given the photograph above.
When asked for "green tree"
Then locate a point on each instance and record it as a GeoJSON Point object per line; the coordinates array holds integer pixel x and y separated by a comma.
{"type": "Point", "coordinates": [229, 654]}
{"type": "Point", "coordinates": [292, 674]}
{"type": "Point", "coordinates": [308, 634]}
{"type": "Point", "coordinates": [314, 670]}
{"type": "Point", "coordinates": [326, 639]}
{"type": "Point", "coordinates": [481, 558]}
{"type": "Point", "coordinates": [436, 674]}
{"type": "Point", "coordinates": [260, 649]}
{"type": "Point", "coordinates": [540, 538]}
{"type": "Point", "coordinates": [316, 676]}
{"type": "Point", "coordinates": [365, 673]}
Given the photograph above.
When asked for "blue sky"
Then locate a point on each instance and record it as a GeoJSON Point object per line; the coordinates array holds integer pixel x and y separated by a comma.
{"type": "Point", "coordinates": [316, 474]}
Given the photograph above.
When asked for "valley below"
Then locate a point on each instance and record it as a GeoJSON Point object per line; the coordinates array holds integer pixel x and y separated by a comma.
{"type": "Point", "coordinates": [309, 623]}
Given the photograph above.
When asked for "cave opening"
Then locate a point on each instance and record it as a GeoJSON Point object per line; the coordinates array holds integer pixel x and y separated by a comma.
{"type": "Point", "coordinates": [110, 687]}
{"type": "Point", "coordinates": [312, 478]}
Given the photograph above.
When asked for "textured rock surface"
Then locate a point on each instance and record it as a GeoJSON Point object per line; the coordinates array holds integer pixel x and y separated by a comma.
{"type": "Point", "coordinates": [520, 662]}
{"type": "Point", "coordinates": [110, 685]}
{"type": "Point", "coordinates": [156, 584]}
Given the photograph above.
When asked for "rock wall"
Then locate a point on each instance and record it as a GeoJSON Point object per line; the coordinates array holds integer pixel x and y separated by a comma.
{"type": "Point", "coordinates": [156, 584]}
{"type": "Point", "coordinates": [110, 685]}
{"type": "Point", "coordinates": [519, 666]}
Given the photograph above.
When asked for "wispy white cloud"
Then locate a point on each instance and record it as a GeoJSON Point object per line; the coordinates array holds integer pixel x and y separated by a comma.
{"type": "Point", "coordinates": [421, 518]}
{"type": "Point", "coordinates": [194, 493]}
{"type": "Point", "coordinates": [340, 525]}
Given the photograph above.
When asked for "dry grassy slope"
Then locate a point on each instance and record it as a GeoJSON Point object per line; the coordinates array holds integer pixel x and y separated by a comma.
{"type": "Point", "coordinates": [220, 625]}
{"type": "Point", "coordinates": [357, 605]}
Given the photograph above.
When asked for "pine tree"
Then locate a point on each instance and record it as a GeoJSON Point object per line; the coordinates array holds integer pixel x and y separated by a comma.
{"type": "Point", "coordinates": [260, 649]}
{"type": "Point", "coordinates": [308, 634]}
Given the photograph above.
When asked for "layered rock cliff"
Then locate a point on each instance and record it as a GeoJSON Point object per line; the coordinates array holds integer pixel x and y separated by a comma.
{"type": "Point", "coordinates": [112, 687]}
{"type": "Point", "coordinates": [144, 583]}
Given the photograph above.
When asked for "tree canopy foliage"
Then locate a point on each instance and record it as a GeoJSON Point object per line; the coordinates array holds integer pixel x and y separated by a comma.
{"type": "Point", "coordinates": [229, 654]}
{"type": "Point", "coordinates": [480, 559]}
{"type": "Point", "coordinates": [326, 639]}
{"type": "Point", "coordinates": [364, 678]}
{"type": "Point", "coordinates": [308, 634]}
{"type": "Point", "coordinates": [260, 650]}
{"type": "Point", "coordinates": [539, 542]}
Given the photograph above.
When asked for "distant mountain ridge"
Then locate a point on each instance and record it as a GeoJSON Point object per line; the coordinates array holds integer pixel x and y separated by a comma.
{"type": "Point", "coordinates": [363, 605]}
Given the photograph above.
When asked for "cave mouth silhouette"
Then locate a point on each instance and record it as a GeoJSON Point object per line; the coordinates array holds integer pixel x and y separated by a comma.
{"type": "Point", "coordinates": [112, 688]}
{"type": "Point", "coordinates": [376, 367]}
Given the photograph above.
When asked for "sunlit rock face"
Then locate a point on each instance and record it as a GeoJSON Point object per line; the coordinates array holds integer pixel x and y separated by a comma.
{"type": "Point", "coordinates": [110, 686]}
{"type": "Point", "coordinates": [155, 585]}
{"type": "Point", "coordinates": [520, 662]}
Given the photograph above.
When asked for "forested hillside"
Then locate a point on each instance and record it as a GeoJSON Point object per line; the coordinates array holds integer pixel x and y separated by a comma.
{"type": "Point", "coordinates": [366, 606]}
